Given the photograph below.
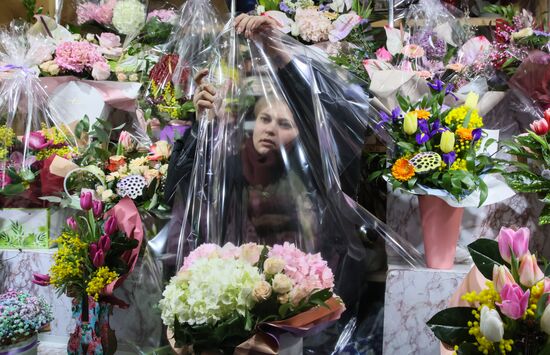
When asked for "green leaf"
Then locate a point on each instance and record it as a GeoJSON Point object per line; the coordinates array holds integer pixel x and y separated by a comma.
{"type": "Point", "coordinates": [406, 146]}
{"type": "Point", "coordinates": [485, 254]}
{"type": "Point", "coordinates": [541, 305]}
{"type": "Point", "coordinates": [451, 325]}
{"type": "Point", "coordinates": [467, 349]}
{"type": "Point", "coordinates": [483, 192]}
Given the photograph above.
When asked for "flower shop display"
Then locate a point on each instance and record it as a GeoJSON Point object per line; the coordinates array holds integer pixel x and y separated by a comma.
{"type": "Point", "coordinates": [531, 170]}
{"type": "Point", "coordinates": [511, 314]}
{"type": "Point", "coordinates": [22, 316]}
{"type": "Point", "coordinates": [439, 155]}
{"type": "Point", "coordinates": [235, 298]}
{"type": "Point", "coordinates": [96, 252]}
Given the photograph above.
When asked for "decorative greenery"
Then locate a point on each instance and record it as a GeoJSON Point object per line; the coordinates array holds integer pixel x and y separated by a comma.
{"type": "Point", "coordinates": [31, 10]}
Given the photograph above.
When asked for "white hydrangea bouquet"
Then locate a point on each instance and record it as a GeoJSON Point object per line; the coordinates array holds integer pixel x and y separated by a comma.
{"type": "Point", "coordinates": [227, 298]}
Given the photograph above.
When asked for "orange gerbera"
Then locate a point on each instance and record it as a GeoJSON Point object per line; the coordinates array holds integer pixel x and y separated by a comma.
{"type": "Point", "coordinates": [422, 114]}
{"type": "Point", "coordinates": [464, 133]}
{"type": "Point", "coordinates": [402, 170]}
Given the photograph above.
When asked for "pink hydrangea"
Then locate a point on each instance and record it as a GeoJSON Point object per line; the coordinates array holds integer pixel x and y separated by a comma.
{"type": "Point", "coordinates": [207, 250]}
{"type": "Point", "coordinates": [100, 13]}
{"type": "Point", "coordinates": [77, 56]}
{"type": "Point", "coordinates": [308, 271]}
{"type": "Point", "coordinates": [162, 15]}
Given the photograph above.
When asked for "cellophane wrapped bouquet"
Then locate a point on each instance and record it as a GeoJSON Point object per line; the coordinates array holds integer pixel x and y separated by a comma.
{"type": "Point", "coordinates": [222, 296]}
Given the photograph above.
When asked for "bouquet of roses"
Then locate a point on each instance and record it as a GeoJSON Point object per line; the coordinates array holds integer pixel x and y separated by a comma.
{"type": "Point", "coordinates": [222, 296]}
{"type": "Point", "coordinates": [511, 315]}
{"type": "Point", "coordinates": [436, 147]}
{"type": "Point", "coordinates": [532, 176]}
{"type": "Point", "coordinates": [93, 253]}
{"type": "Point", "coordinates": [21, 316]}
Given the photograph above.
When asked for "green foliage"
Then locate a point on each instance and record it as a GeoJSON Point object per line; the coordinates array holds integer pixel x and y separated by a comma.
{"type": "Point", "coordinates": [508, 11]}
{"type": "Point", "coordinates": [485, 254]}
{"type": "Point", "coordinates": [30, 9]}
{"type": "Point", "coordinates": [451, 325]}
{"type": "Point", "coordinates": [155, 32]}
{"type": "Point", "coordinates": [269, 5]}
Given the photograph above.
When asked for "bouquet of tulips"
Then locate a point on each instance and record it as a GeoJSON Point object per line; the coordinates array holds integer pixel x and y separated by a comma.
{"type": "Point", "coordinates": [511, 315]}
{"type": "Point", "coordinates": [91, 252]}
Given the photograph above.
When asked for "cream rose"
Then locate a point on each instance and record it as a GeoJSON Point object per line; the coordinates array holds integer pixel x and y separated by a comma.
{"type": "Point", "coordinates": [250, 253]}
{"type": "Point", "coordinates": [282, 283]}
{"type": "Point", "coordinates": [262, 291]}
{"type": "Point", "coordinates": [273, 266]}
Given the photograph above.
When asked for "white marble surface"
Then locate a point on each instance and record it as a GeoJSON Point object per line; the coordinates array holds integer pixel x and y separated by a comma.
{"type": "Point", "coordinates": [412, 298]}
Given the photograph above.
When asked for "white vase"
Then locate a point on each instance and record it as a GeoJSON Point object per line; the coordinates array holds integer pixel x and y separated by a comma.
{"type": "Point", "coordinates": [25, 347]}
{"type": "Point", "coordinates": [290, 345]}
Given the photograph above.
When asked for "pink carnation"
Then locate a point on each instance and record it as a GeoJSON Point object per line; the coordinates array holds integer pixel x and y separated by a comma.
{"type": "Point", "coordinates": [308, 271]}
{"type": "Point", "coordinates": [88, 12]}
{"type": "Point", "coordinates": [162, 15]}
{"type": "Point", "coordinates": [203, 251]}
{"type": "Point", "coordinates": [77, 56]}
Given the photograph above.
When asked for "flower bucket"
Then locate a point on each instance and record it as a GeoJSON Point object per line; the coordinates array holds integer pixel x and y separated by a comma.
{"type": "Point", "coordinates": [440, 228]}
{"type": "Point", "coordinates": [25, 347]}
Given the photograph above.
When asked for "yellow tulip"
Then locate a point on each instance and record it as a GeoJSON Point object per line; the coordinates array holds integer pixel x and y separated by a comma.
{"type": "Point", "coordinates": [447, 142]}
{"type": "Point", "coordinates": [471, 100]}
{"type": "Point", "coordinates": [410, 123]}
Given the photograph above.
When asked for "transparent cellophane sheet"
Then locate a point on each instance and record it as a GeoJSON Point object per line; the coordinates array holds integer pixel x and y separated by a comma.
{"type": "Point", "coordinates": [31, 135]}
{"type": "Point", "coordinates": [419, 50]}
{"type": "Point", "coordinates": [277, 160]}
{"type": "Point", "coordinates": [126, 17]}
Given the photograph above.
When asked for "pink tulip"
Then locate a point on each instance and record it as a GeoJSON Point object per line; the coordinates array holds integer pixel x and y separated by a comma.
{"type": "Point", "coordinates": [517, 241]}
{"type": "Point", "coordinates": [40, 279]}
{"type": "Point", "coordinates": [72, 223]}
{"type": "Point", "coordinates": [104, 243]}
{"type": "Point", "coordinates": [110, 225]}
{"type": "Point", "coordinates": [37, 141]}
{"type": "Point", "coordinates": [86, 201]}
{"type": "Point", "coordinates": [502, 277]}
{"type": "Point", "coordinates": [540, 127]}
{"type": "Point", "coordinates": [92, 250]}
{"type": "Point", "coordinates": [5, 179]}
{"type": "Point", "coordinates": [99, 259]}
{"type": "Point", "coordinates": [97, 208]}
{"type": "Point", "coordinates": [514, 301]}
{"type": "Point", "coordinates": [126, 141]}
{"type": "Point", "coordinates": [529, 271]}
{"type": "Point", "coordinates": [383, 54]}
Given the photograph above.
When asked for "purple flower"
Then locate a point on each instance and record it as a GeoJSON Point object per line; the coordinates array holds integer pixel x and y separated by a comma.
{"type": "Point", "coordinates": [86, 201]}
{"type": "Point", "coordinates": [171, 133]}
{"type": "Point", "coordinates": [395, 116]}
{"type": "Point", "coordinates": [541, 33]}
{"type": "Point", "coordinates": [437, 85]}
{"type": "Point", "coordinates": [104, 243]}
{"type": "Point", "coordinates": [476, 134]}
{"type": "Point", "coordinates": [40, 279]}
{"type": "Point", "coordinates": [284, 8]}
{"type": "Point", "coordinates": [427, 133]}
{"type": "Point", "coordinates": [72, 223]}
{"type": "Point", "coordinates": [110, 225]}
{"type": "Point", "coordinates": [97, 208]}
{"type": "Point", "coordinates": [449, 158]}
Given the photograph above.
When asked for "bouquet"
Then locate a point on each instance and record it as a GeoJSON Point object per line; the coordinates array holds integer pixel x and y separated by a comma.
{"type": "Point", "coordinates": [535, 176]}
{"type": "Point", "coordinates": [127, 17]}
{"type": "Point", "coordinates": [436, 147]}
{"type": "Point", "coordinates": [22, 316]}
{"type": "Point", "coordinates": [511, 315]}
{"type": "Point", "coordinates": [310, 23]}
{"type": "Point", "coordinates": [223, 295]}
{"type": "Point", "coordinates": [92, 253]}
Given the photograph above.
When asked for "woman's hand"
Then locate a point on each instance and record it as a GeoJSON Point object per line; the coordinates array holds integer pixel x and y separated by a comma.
{"type": "Point", "coordinates": [204, 93]}
{"type": "Point", "coordinates": [249, 25]}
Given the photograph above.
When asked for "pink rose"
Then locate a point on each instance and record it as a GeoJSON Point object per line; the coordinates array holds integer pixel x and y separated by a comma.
{"type": "Point", "coordinates": [109, 40]}
{"type": "Point", "coordinates": [517, 241]}
{"type": "Point", "coordinates": [514, 301]}
{"type": "Point", "coordinates": [101, 71]}
{"type": "Point", "coordinates": [383, 54]}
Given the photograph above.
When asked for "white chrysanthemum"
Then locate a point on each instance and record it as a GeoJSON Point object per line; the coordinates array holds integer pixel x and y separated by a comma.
{"type": "Point", "coordinates": [128, 16]}
{"type": "Point", "coordinates": [211, 290]}
{"type": "Point", "coordinates": [313, 25]}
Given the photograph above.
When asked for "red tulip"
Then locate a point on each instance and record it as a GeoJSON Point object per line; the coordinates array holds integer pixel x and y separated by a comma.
{"type": "Point", "coordinates": [104, 243]}
{"type": "Point", "coordinates": [41, 279]}
{"type": "Point", "coordinates": [97, 208]}
{"type": "Point", "coordinates": [86, 201]}
{"type": "Point", "coordinates": [540, 127]}
{"type": "Point", "coordinates": [110, 225]}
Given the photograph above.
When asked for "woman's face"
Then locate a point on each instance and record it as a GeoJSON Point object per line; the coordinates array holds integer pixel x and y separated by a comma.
{"type": "Point", "coordinates": [274, 126]}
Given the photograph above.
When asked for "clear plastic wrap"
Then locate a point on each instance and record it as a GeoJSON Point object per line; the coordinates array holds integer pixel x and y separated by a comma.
{"type": "Point", "coordinates": [277, 159]}
{"type": "Point", "coordinates": [127, 17]}
{"type": "Point", "coordinates": [32, 138]}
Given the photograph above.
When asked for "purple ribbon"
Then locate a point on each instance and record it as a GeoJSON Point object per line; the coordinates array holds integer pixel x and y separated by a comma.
{"type": "Point", "coordinates": [10, 67]}
{"type": "Point", "coordinates": [20, 350]}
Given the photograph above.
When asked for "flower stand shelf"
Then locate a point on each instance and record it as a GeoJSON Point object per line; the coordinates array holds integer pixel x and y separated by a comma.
{"type": "Point", "coordinates": [412, 298]}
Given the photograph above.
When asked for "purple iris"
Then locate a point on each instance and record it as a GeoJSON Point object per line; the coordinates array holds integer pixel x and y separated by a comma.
{"type": "Point", "coordinates": [395, 116]}
{"type": "Point", "coordinates": [427, 132]}
{"type": "Point", "coordinates": [476, 134]}
{"type": "Point", "coordinates": [437, 85]}
{"type": "Point", "coordinates": [449, 158]}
